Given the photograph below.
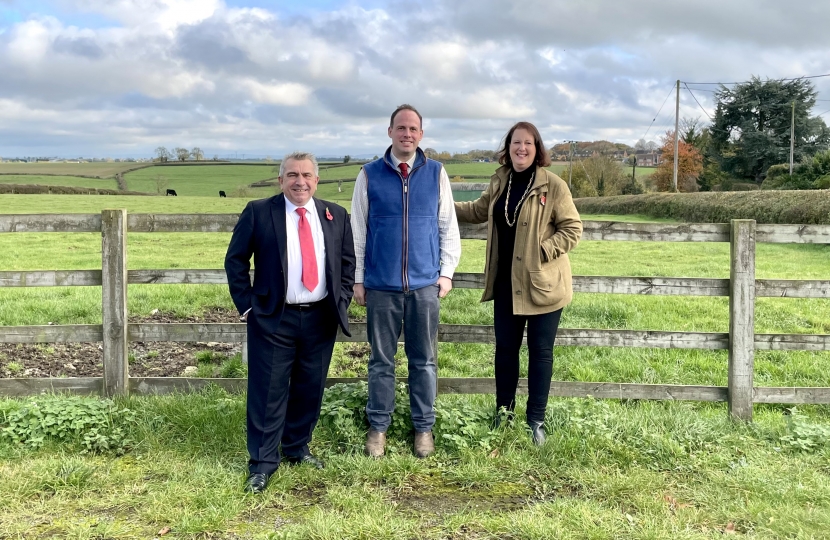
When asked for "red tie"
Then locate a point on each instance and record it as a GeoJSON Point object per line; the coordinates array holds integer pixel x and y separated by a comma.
{"type": "Point", "coordinates": [307, 251]}
{"type": "Point", "coordinates": [404, 169]}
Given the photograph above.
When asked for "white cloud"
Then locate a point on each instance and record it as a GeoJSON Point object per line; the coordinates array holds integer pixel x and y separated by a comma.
{"type": "Point", "coordinates": [291, 94]}
{"type": "Point", "coordinates": [200, 72]}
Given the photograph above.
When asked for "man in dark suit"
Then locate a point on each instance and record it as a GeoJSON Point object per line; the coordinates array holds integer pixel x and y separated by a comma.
{"type": "Point", "coordinates": [303, 283]}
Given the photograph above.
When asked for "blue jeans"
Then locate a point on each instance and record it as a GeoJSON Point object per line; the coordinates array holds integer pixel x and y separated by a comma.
{"type": "Point", "coordinates": [417, 312]}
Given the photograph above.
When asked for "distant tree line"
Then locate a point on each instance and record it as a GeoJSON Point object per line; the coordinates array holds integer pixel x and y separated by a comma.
{"type": "Point", "coordinates": [180, 154]}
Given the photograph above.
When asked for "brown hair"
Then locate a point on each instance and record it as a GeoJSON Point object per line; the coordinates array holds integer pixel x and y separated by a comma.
{"type": "Point", "coordinates": [542, 157]}
{"type": "Point", "coordinates": [405, 107]}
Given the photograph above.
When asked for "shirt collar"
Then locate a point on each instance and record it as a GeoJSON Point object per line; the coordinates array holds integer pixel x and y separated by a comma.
{"type": "Point", "coordinates": [410, 162]}
{"type": "Point", "coordinates": [291, 207]}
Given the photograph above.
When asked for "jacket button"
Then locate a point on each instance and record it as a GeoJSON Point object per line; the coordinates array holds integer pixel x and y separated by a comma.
{"type": "Point", "coordinates": [518, 293]}
{"type": "Point", "coordinates": [518, 258]}
{"type": "Point", "coordinates": [525, 223]}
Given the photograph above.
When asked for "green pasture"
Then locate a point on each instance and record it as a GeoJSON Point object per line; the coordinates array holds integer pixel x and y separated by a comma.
{"type": "Point", "coordinates": [612, 469]}
{"type": "Point", "coordinates": [71, 181]}
{"type": "Point", "coordinates": [93, 204]}
{"type": "Point", "coordinates": [198, 180]}
{"type": "Point", "coordinates": [99, 169]}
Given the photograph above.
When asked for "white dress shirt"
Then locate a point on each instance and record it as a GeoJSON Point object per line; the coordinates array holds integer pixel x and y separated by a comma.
{"type": "Point", "coordinates": [449, 239]}
{"type": "Point", "coordinates": [297, 293]}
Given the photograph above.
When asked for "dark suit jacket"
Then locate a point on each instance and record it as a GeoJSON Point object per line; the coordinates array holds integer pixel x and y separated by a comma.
{"type": "Point", "coordinates": [261, 232]}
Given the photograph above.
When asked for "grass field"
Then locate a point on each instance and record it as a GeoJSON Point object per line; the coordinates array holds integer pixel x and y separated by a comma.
{"type": "Point", "coordinates": [72, 181]}
{"type": "Point", "coordinates": [611, 469]}
{"type": "Point", "coordinates": [102, 170]}
{"type": "Point", "coordinates": [207, 180]}
{"type": "Point", "coordinates": [198, 180]}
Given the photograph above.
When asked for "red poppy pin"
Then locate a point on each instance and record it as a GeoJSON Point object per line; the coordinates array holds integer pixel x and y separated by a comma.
{"type": "Point", "coordinates": [543, 200]}
{"type": "Point", "coordinates": [328, 214]}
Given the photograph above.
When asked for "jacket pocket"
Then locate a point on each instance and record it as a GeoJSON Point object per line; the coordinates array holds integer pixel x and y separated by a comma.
{"type": "Point", "coordinates": [546, 287]}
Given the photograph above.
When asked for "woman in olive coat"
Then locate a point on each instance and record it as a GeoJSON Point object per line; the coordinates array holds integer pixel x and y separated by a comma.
{"type": "Point", "coordinates": [532, 224]}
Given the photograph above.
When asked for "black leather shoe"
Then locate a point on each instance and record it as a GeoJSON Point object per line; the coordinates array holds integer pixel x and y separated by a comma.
{"type": "Point", "coordinates": [307, 459]}
{"type": "Point", "coordinates": [537, 432]}
{"type": "Point", "coordinates": [256, 482]}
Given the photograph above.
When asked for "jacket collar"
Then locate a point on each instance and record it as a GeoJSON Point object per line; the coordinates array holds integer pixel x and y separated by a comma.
{"type": "Point", "coordinates": [278, 221]}
{"type": "Point", "coordinates": [539, 178]}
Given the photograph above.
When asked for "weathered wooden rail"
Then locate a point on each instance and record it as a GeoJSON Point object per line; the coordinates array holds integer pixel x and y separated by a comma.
{"type": "Point", "coordinates": [741, 342]}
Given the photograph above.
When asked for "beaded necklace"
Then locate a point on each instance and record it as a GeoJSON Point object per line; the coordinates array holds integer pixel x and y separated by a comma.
{"type": "Point", "coordinates": [518, 204]}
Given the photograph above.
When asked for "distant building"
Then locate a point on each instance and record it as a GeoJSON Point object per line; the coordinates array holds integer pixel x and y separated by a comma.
{"type": "Point", "coordinates": [647, 159]}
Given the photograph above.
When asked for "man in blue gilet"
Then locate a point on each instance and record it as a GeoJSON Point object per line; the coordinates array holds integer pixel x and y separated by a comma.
{"type": "Point", "coordinates": [407, 246]}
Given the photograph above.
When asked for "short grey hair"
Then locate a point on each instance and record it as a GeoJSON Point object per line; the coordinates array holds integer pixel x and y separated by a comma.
{"type": "Point", "coordinates": [300, 156]}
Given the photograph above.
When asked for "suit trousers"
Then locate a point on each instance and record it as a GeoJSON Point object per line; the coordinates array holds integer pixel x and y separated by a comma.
{"type": "Point", "coordinates": [509, 330]}
{"type": "Point", "coordinates": [287, 372]}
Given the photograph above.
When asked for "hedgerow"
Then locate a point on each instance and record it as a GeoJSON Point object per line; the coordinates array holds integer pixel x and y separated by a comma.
{"type": "Point", "coordinates": [802, 207]}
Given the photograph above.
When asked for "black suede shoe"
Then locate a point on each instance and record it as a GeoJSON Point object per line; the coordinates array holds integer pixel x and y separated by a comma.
{"type": "Point", "coordinates": [307, 459]}
{"type": "Point", "coordinates": [537, 432]}
{"type": "Point", "coordinates": [256, 482]}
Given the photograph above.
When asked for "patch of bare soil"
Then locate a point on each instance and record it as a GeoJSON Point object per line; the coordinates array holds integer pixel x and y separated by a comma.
{"type": "Point", "coordinates": [148, 359]}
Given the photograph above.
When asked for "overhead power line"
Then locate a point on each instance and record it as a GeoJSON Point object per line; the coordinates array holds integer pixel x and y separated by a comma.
{"type": "Point", "coordinates": [656, 115]}
{"type": "Point", "coordinates": [696, 101]}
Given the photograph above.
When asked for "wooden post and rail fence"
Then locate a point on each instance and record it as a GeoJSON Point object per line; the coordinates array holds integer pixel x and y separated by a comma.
{"type": "Point", "coordinates": [741, 341]}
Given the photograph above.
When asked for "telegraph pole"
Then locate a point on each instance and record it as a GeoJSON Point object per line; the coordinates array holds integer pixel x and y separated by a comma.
{"type": "Point", "coordinates": [676, 136]}
{"type": "Point", "coordinates": [792, 139]}
{"type": "Point", "coordinates": [570, 165]}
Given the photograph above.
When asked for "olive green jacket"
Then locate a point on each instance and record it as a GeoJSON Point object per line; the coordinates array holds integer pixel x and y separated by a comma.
{"type": "Point", "coordinates": [547, 228]}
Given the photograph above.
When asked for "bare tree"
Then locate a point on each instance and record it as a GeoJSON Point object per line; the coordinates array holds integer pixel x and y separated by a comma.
{"type": "Point", "coordinates": [162, 153]}
{"type": "Point", "coordinates": [651, 146]}
{"type": "Point", "coordinates": [182, 153]}
{"type": "Point", "coordinates": [197, 153]}
{"type": "Point", "coordinates": [161, 182]}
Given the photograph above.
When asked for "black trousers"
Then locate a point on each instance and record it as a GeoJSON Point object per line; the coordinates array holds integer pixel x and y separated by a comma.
{"type": "Point", "coordinates": [541, 333]}
{"type": "Point", "coordinates": [286, 377]}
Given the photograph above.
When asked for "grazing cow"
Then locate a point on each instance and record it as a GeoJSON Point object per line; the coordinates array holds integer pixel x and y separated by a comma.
{"type": "Point", "coordinates": [222, 194]}
{"type": "Point", "coordinates": [171, 192]}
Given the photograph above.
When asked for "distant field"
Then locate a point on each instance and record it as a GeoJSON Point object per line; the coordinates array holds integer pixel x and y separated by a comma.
{"type": "Point", "coordinates": [102, 170]}
{"type": "Point", "coordinates": [206, 180]}
{"type": "Point", "coordinates": [72, 181]}
{"type": "Point", "coordinates": [93, 204]}
{"type": "Point", "coordinates": [198, 180]}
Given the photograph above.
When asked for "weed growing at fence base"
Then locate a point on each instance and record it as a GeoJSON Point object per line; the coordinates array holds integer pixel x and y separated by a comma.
{"type": "Point", "coordinates": [610, 470]}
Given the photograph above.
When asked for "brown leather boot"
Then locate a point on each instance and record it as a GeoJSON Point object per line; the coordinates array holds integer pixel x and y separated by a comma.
{"type": "Point", "coordinates": [375, 443]}
{"type": "Point", "coordinates": [424, 444]}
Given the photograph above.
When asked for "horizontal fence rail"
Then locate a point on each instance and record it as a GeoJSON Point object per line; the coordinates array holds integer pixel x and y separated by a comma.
{"type": "Point", "coordinates": [742, 288]}
{"type": "Point", "coordinates": [658, 286]}
{"type": "Point", "coordinates": [592, 230]}
{"type": "Point", "coordinates": [447, 333]}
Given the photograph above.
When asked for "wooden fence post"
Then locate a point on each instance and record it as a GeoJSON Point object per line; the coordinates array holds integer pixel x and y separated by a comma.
{"type": "Point", "coordinates": [114, 289]}
{"type": "Point", "coordinates": [741, 318]}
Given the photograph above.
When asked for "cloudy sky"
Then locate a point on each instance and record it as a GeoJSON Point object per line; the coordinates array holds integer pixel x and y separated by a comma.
{"type": "Point", "coordinates": [121, 77]}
